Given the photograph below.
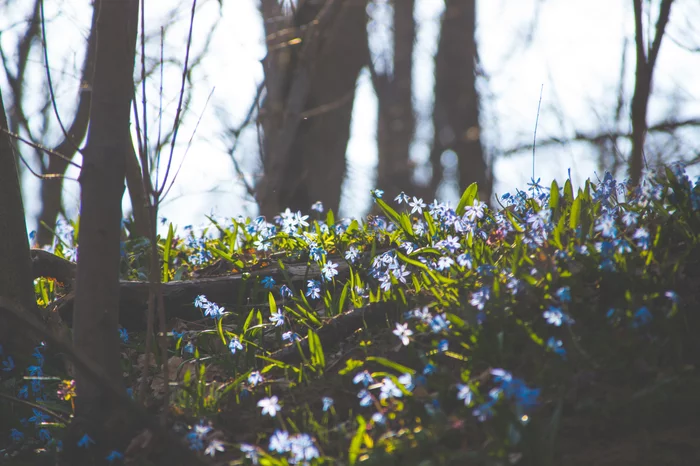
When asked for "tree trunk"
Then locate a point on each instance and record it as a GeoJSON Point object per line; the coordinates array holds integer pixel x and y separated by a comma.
{"type": "Point", "coordinates": [646, 60]}
{"type": "Point", "coordinates": [456, 111]}
{"type": "Point", "coordinates": [96, 309]}
{"type": "Point", "coordinates": [15, 263]}
{"type": "Point", "coordinates": [396, 120]}
{"type": "Point", "coordinates": [308, 106]}
{"type": "Point", "coordinates": [52, 189]}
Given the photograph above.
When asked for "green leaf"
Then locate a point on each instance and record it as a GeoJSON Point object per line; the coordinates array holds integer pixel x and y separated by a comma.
{"type": "Point", "coordinates": [467, 198]}
{"type": "Point", "coordinates": [343, 297]}
{"type": "Point", "coordinates": [220, 330]}
{"type": "Point", "coordinates": [350, 366]}
{"type": "Point", "coordinates": [391, 364]}
{"type": "Point", "coordinates": [388, 211]}
{"type": "Point", "coordinates": [272, 302]}
{"type": "Point", "coordinates": [575, 214]}
{"type": "Point", "coordinates": [554, 196]}
{"type": "Point", "coordinates": [222, 254]}
{"type": "Point", "coordinates": [317, 357]}
{"type": "Point", "coordinates": [568, 191]}
{"type": "Point", "coordinates": [248, 321]}
{"type": "Point", "coordinates": [356, 443]}
{"type": "Point", "coordinates": [166, 254]}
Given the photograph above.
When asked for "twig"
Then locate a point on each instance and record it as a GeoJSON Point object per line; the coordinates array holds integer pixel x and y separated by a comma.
{"type": "Point", "coordinates": [534, 136]}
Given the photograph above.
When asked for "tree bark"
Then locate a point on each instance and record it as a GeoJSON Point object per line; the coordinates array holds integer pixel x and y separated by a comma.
{"type": "Point", "coordinates": [646, 60]}
{"type": "Point", "coordinates": [456, 111]}
{"type": "Point", "coordinates": [96, 307]}
{"type": "Point", "coordinates": [308, 107]}
{"type": "Point", "coordinates": [396, 121]}
{"type": "Point", "coordinates": [52, 189]}
{"type": "Point", "coordinates": [15, 263]}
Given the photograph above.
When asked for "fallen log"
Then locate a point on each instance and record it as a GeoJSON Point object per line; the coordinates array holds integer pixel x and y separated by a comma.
{"type": "Point", "coordinates": [236, 292]}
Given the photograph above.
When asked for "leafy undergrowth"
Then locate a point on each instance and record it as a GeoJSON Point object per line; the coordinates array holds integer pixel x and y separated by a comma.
{"type": "Point", "coordinates": [560, 329]}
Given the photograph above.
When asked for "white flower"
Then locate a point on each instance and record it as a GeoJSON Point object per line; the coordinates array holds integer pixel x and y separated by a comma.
{"type": "Point", "coordinates": [214, 446]}
{"type": "Point", "coordinates": [465, 393]}
{"type": "Point", "coordinates": [403, 332]}
{"type": "Point", "coordinates": [389, 389]}
{"type": "Point", "coordinates": [270, 406]}
{"type": "Point", "coordinates": [235, 345]}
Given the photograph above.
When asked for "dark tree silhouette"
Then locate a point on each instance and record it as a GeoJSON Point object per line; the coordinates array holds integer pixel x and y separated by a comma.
{"type": "Point", "coordinates": [456, 111]}
{"type": "Point", "coordinates": [96, 308]}
{"type": "Point", "coordinates": [396, 120]}
{"type": "Point", "coordinates": [646, 60]}
{"type": "Point", "coordinates": [15, 263]}
{"type": "Point", "coordinates": [315, 54]}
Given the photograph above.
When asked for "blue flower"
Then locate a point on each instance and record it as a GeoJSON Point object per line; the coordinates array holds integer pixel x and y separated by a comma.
{"type": "Point", "coordinates": [235, 345]}
{"type": "Point", "coordinates": [16, 435]}
{"type": "Point", "coordinates": [279, 442]}
{"type": "Point", "coordinates": [303, 449]}
{"type": "Point", "coordinates": [464, 393]}
{"type": "Point", "coordinates": [277, 318]}
{"type": "Point", "coordinates": [255, 378]}
{"type": "Point", "coordinates": [114, 456]}
{"type": "Point", "coordinates": [291, 336]}
{"type": "Point", "coordinates": [214, 446]}
{"type": "Point", "coordinates": [557, 346]}
{"type": "Point", "coordinates": [39, 417]}
{"type": "Point", "coordinates": [378, 193]}
{"type": "Point", "coordinates": [327, 403]}
{"type": "Point", "coordinates": [313, 289]}
{"type": "Point", "coordinates": [44, 435]}
{"type": "Point", "coordinates": [268, 282]}
{"type": "Point", "coordinates": [318, 207]}
{"type": "Point", "coordinates": [38, 356]}
{"type": "Point", "coordinates": [389, 389]}
{"type": "Point", "coordinates": [124, 335]}
{"type": "Point", "coordinates": [641, 317]}
{"type": "Point", "coordinates": [85, 441]}
{"type": "Point", "coordinates": [365, 397]}
{"type": "Point", "coordinates": [564, 294]}
{"type": "Point", "coordinates": [363, 377]}
{"type": "Point", "coordinates": [352, 254]}
{"type": "Point", "coordinates": [642, 237]}
{"type": "Point", "coordinates": [250, 452]}
{"type": "Point", "coordinates": [554, 316]}
{"type": "Point", "coordinates": [8, 364]}
{"type": "Point", "coordinates": [285, 291]}
{"type": "Point", "coordinates": [329, 270]}
{"type": "Point", "coordinates": [402, 197]}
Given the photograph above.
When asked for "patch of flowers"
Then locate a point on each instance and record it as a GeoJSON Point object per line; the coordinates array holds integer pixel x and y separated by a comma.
{"type": "Point", "coordinates": [501, 313]}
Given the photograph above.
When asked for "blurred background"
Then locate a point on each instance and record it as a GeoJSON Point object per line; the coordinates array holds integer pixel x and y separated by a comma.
{"type": "Point", "coordinates": [286, 103]}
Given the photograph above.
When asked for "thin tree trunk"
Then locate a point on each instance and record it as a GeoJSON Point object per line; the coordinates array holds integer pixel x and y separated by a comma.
{"type": "Point", "coordinates": [396, 120]}
{"type": "Point", "coordinates": [456, 112]}
{"type": "Point", "coordinates": [646, 60]}
{"type": "Point", "coordinates": [308, 106]}
{"type": "Point", "coordinates": [52, 189]}
{"type": "Point", "coordinates": [96, 310]}
{"type": "Point", "coordinates": [15, 263]}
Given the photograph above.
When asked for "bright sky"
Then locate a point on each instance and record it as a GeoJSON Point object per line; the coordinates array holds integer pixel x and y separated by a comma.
{"type": "Point", "coordinates": [574, 51]}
